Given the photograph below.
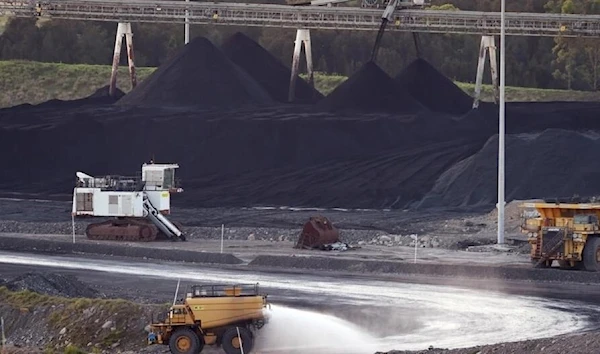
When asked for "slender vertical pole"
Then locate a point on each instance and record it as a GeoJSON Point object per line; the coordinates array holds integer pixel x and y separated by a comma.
{"type": "Point", "coordinates": [222, 236]}
{"type": "Point", "coordinates": [176, 291]}
{"type": "Point", "coordinates": [501, 126]}
{"type": "Point", "coordinates": [240, 339]}
{"type": "Point", "coordinates": [3, 335]}
{"type": "Point", "coordinates": [187, 24]}
{"type": "Point", "coordinates": [416, 243]}
{"type": "Point", "coordinates": [73, 225]}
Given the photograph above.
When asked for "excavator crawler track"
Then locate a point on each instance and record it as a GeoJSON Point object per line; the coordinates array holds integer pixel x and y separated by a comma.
{"type": "Point", "coordinates": [123, 229]}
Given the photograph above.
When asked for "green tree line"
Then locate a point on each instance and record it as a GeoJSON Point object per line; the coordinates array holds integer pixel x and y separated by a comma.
{"type": "Point", "coordinates": [531, 61]}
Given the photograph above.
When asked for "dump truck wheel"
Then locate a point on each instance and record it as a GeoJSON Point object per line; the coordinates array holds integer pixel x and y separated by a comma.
{"type": "Point", "coordinates": [591, 254]}
{"type": "Point", "coordinates": [231, 342]}
{"type": "Point", "coordinates": [185, 341]}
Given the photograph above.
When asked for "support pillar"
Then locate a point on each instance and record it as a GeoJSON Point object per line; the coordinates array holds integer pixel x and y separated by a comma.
{"type": "Point", "coordinates": [302, 37]}
{"type": "Point", "coordinates": [123, 30]}
{"type": "Point", "coordinates": [187, 23]}
{"type": "Point", "coordinates": [488, 45]}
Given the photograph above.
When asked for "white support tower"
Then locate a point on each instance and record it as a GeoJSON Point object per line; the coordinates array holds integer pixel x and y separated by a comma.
{"type": "Point", "coordinates": [187, 24]}
{"type": "Point", "coordinates": [488, 46]}
{"type": "Point", "coordinates": [139, 204]}
{"type": "Point", "coordinates": [501, 128]}
{"type": "Point", "coordinates": [123, 30]}
{"type": "Point", "coordinates": [302, 39]}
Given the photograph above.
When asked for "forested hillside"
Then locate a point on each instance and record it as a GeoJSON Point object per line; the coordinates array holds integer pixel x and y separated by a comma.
{"type": "Point", "coordinates": [531, 61]}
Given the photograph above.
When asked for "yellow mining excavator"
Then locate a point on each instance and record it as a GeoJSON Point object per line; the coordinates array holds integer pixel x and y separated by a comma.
{"type": "Point", "coordinates": [567, 232]}
{"type": "Point", "coordinates": [221, 315]}
{"type": "Point", "coordinates": [136, 205]}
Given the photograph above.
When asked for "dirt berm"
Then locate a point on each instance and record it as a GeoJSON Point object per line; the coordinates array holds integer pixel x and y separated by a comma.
{"type": "Point", "coordinates": [17, 244]}
{"type": "Point", "coordinates": [447, 270]}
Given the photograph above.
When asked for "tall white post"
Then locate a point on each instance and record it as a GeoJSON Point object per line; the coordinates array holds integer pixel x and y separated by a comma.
{"type": "Point", "coordinates": [222, 236]}
{"type": "Point", "coordinates": [3, 335]}
{"type": "Point", "coordinates": [187, 24]}
{"type": "Point", "coordinates": [73, 225]}
{"type": "Point", "coordinates": [501, 125]}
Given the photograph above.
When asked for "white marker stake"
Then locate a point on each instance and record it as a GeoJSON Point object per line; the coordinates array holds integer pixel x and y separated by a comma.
{"type": "Point", "coordinates": [416, 243]}
{"type": "Point", "coordinates": [3, 336]}
{"type": "Point", "coordinates": [240, 339]}
{"type": "Point", "coordinates": [222, 235]}
{"type": "Point", "coordinates": [73, 224]}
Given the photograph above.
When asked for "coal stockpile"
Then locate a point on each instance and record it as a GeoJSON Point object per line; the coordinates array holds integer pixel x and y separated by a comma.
{"type": "Point", "coordinates": [198, 75]}
{"type": "Point", "coordinates": [233, 153]}
{"type": "Point", "coordinates": [267, 70]}
{"type": "Point", "coordinates": [99, 97]}
{"type": "Point", "coordinates": [388, 179]}
{"type": "Point", "coordinates": [299, 160]}
{"type": "Point", "coordinates": [434, 90]}
{"type": "Point", "coordinates": [370, 89]}
{"type": "Point", "coordinates": [553, 163]}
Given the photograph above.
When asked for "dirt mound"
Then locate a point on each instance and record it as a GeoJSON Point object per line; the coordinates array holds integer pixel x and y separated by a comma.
{"type": "Point", "coordinates": [370, 89]}
{"type": "Point", "coordinates": [51, 284]}
{"type": "Point", "coordinates": [198, 75]}
{"type": "Point", "coordinates": [433, 89]}
{"type": "Point", "coordinates": [554, 163]}
{"type": "Point", "coordinates": [267, 70]}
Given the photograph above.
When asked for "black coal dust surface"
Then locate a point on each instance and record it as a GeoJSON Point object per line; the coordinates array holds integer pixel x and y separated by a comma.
{"type": "Point", "coordinates": [51, 284]}
{"type": "Point", "coordinates": [433, 89]}
{"type": "Point", "coordinates": [198, 75]}
{"type": "Point", "coordinates": [352, 156]}
{"type": "Point", "coordinates": [553, 163]}
{"type": "Point", "coordinates": [266, 69]}
{"type": "Point", "coordinates": [370, 89]}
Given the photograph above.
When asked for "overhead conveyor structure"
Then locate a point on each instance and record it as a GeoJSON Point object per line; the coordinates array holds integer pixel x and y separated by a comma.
{"type": "Point", "coordinates": [318, 15]}
{"type": "Point", "coordinates": [310, 17]}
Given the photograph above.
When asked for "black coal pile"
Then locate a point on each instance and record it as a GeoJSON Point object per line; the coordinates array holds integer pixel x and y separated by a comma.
{"type": "Point", "coordinates": [433, 89]}
{"type": "Point", "coordinates": [370, 89]}
{"type": "Point", "coordinates": [99, 97]}
{"type": "Point", "coordinates": [198, 75]}
{"type": "Point", "coordinates": [51, 284]}
{"type": "Point", "coordinates": [266, 69]}
{"type": "Point", "coordinates": [553, 163]}
{"type": "Point", "coordinates": [386, 179]}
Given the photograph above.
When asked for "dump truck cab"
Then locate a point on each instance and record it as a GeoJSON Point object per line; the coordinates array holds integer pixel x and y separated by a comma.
{"type": "Point", "coordinates": [566, 232]}
{"type": "Point", "coordinates": [221, 315]}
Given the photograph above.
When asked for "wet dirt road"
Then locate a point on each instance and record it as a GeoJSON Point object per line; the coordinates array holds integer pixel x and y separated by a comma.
{"type": "Point", "coordinates": [359, 315]}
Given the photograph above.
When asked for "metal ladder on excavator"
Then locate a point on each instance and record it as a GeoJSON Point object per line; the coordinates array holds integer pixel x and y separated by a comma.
{"type": "Point", "coordinates": [161, 222]}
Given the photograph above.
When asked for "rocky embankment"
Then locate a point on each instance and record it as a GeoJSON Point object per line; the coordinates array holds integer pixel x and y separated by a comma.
{"type": "Point", "coordinates": [51, 313]}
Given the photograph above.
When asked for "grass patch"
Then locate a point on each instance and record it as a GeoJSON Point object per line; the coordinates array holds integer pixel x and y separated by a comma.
{"type": "Point", "coordinates": [3, 23]}
{"type": "Point", "coordinates": [35, 82]}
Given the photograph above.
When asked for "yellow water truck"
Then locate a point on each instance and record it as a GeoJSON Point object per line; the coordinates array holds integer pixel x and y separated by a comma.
{"type": "Point", "coordinates": [220, 315]}
{"type": "Point", "coordinates": [566, 232]}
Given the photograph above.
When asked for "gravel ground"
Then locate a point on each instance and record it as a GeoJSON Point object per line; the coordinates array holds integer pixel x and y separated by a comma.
{"type": "Point", "coordinates": [585, 343]}
{"type": "Point", "coordinates": [443, 229]}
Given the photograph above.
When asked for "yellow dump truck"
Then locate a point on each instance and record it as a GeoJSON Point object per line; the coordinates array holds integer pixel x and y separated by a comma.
{"type": "Point", "coordinates": [220, 315]}
{"type": "Point", "coordinates": [566, 232]}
